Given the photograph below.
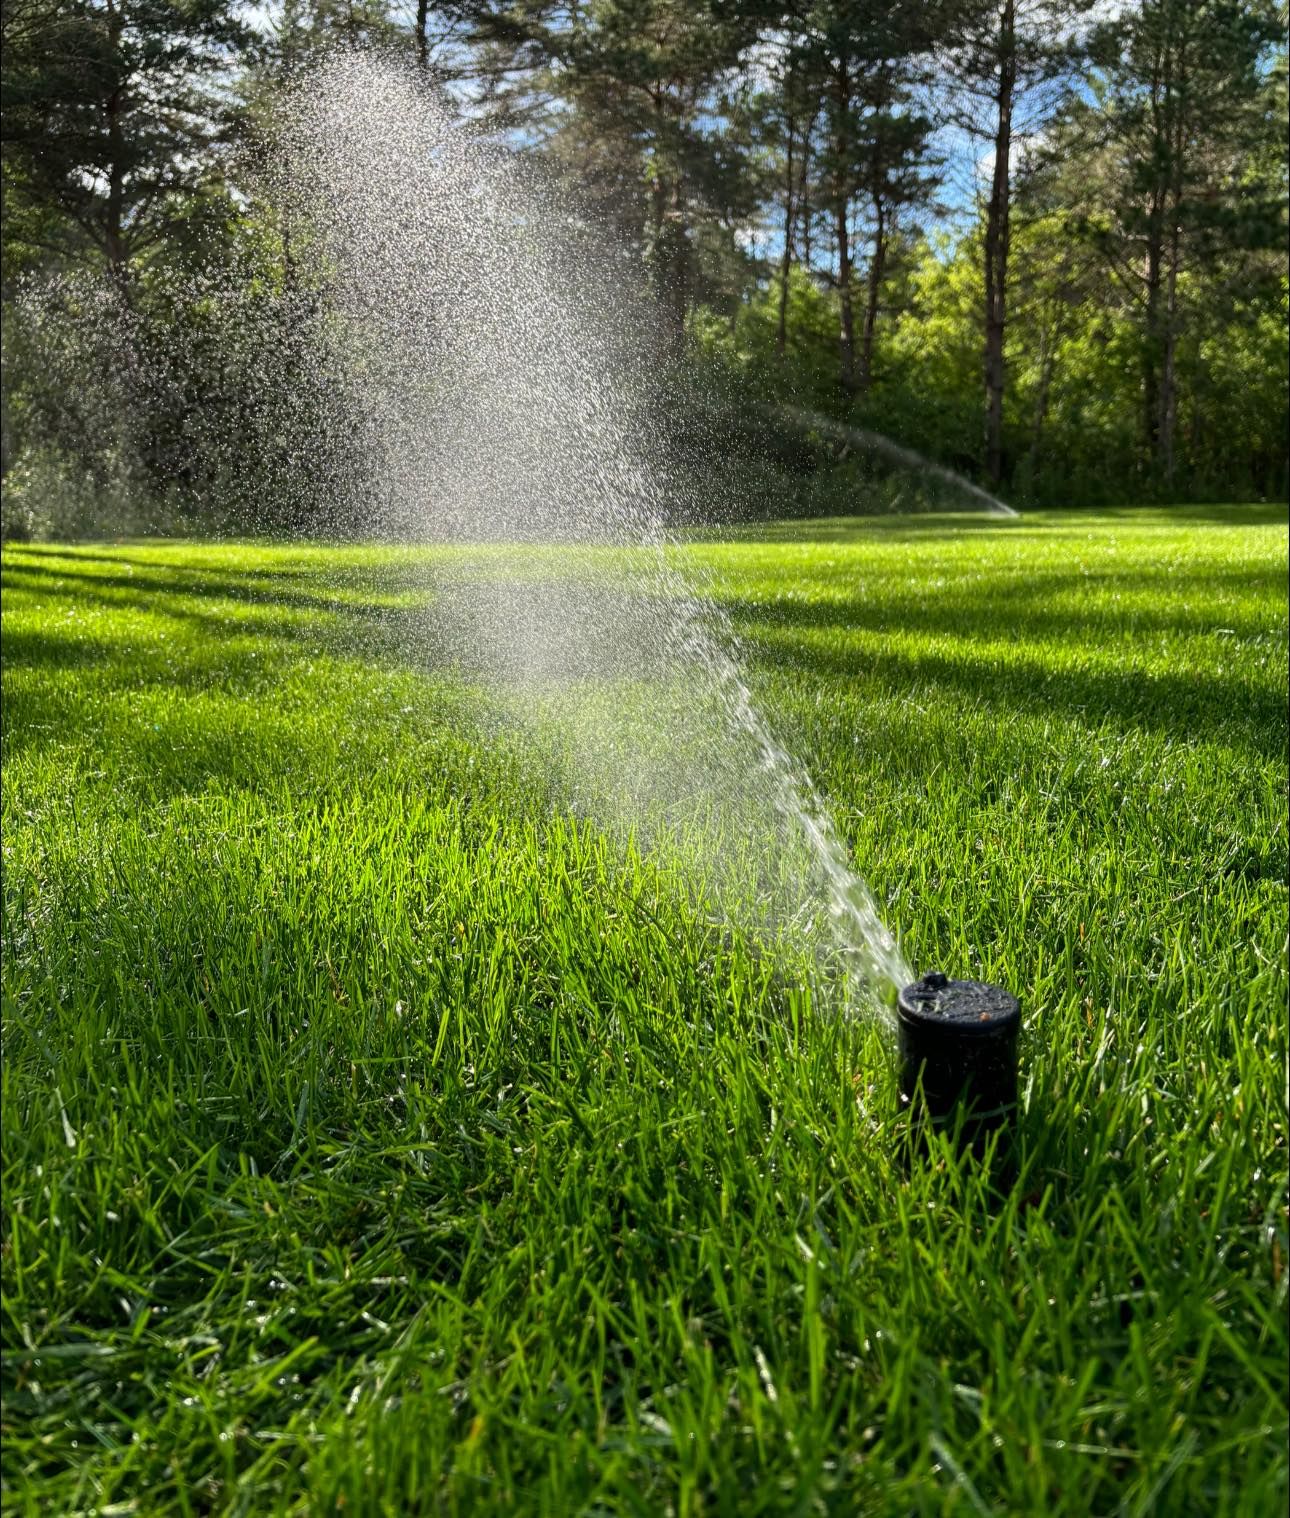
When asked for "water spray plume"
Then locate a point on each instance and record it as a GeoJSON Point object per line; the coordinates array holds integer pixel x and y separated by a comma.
{"type": "Point", "coordinates": [449, 352]}
{"type": "Point", "coordinates": [507, 397]}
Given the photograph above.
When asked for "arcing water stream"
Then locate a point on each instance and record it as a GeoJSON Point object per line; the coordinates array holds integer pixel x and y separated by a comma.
{"type": "Point", "coordinates": [497, 377]}
{"type": "Point", "coordinates": [453, 353]}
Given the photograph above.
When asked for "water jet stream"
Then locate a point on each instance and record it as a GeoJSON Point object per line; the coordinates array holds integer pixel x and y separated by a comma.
{"type": "Point", "coordinates": [447, 352]}
{"type": "Point", "coordinates": [897, 453]}
{"type": "Point", "coordinates": [498, 375]}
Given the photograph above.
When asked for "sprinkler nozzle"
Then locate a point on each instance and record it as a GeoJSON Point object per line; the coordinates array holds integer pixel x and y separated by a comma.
{"type": "Point", "coordinates": [958, 1051]}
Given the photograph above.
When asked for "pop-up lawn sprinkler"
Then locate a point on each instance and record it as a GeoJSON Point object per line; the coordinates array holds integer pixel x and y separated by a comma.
{"type": "Point", "coordinates": [958, 1053]}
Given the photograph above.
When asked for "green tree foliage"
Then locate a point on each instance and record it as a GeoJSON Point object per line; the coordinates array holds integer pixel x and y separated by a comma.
{"type": "Point", "coordinates": [1003, 59]}
{"type": "Point", "coordinates": [1170, 172]}
{"type": "Point", "coordinates": [863, 64]}
{"type": "Point", "coordinates": [114, 115]}
{"type": "Point", "coordinates": [899, 220]}
{"type": "Point", "coordinates": [659, 80]}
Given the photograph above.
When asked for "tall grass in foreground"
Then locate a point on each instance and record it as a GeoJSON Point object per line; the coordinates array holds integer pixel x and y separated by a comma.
{"type": "Point", "coordinates": [382, 1137]}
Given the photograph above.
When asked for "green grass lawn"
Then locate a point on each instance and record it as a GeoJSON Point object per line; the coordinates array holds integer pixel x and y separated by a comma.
{"type": "Point", "coordinates": [380, 1137]}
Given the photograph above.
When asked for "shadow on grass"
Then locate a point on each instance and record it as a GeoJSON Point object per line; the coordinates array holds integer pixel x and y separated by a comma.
{"type": "Point", "coordinates": [293, 616]}
{"type": "Point", "coordinates": [1046, 606]}
{"type": "Point", "coordinates": [946, 526]}
{"type": "Point", "coordinates": [257, 586]}
{"type": "Point", "coordinates": [298, 612]}
{"type": "Point", "coordinates": [1039, 621]}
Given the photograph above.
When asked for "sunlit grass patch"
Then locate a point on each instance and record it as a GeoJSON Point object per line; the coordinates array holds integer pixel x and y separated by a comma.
{"type": "Point", "coordinates": [378, 1132]}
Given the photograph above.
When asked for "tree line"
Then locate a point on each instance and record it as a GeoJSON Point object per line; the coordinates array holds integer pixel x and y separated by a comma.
{"type": "Point", "coordinates": [1041, 241]}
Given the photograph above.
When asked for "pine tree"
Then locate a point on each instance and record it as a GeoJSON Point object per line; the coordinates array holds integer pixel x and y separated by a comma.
{"type": "Point", "coordinates": [631, 100]}
{"type": "Point", "coordinates": [863, 63]}
{"type": "Point", "coordinates": [1002, 59]}
{"type": "Point", "coordinates": [114, 114]}
{"type": "Point", "coordinates": [1187, 106]}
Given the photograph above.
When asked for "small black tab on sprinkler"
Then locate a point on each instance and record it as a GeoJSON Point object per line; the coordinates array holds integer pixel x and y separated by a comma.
{"type": "Point", "coordinates": [958, 1051]}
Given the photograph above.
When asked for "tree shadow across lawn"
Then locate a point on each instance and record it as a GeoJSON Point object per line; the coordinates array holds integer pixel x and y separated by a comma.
{"type": "Point", "coordinates": [333, 614]}
{"type": "Point", "coordinates": [932, 526]}
{"type": "Point", "coordinates": [1046, 606]}
{"type": "Point", "coordinates": [1059, 658]}
{"type": "Point", "coordinates": [236, 615]}
{"type": "Point", "coordinates": [182, 634]}
{"type": "Point", "coordinates": [265, 583]}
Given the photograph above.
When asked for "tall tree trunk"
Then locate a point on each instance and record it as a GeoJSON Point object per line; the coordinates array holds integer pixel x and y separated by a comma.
{"type": "Point", "coordinates": [786, 257]}
{"type": "Point", "coordinates": [847, 325]}
{"type": "Point", "coordinates": [114, 243]}
{"type": "Point", "coordinates": [877, 267]}
{"type": "Point", "coordinates": [670, 258]}
{"type": "Point", "coordinates": [679, 259]}
{"type": "Point", "coordinates": [997, 241]}
{"type": "Point", "coordinates": [1176, 84]}
{"type": "Point", "coordinates": [1153, 258]}
{"type": "Point", "coordinates": [1168, 424]}
{"type": "Point", "coordinates": [658, 226]}
{"type": "Point", "coordinates": [423, 41]}
{"type": "Point", "coordinates": [842, 233]}
{"type": "Point", "coordinates": [114, 240]}
{"type": "Point", "coordinates": [805, 215]}
{"type": "Point", "coordinates": [670, 247]}
{"type": "Point", "coordinates": [1155, 296]}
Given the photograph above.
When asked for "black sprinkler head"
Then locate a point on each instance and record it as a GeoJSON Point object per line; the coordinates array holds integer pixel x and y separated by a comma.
{"type": "Point", "coordinates": [958, 1052]}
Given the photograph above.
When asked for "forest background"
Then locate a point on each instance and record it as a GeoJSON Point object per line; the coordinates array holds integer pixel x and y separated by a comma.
{"type": "Point", "coordinates": [1041, 243]}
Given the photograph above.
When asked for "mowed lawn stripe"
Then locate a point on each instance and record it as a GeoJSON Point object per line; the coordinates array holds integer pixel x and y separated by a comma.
{"type": "Point", "coordinates": [382, 1135]}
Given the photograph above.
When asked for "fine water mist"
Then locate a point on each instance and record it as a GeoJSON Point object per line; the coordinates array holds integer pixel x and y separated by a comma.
{"type": "Point", "coordinates": [452, 354]}
{"type": "Point", "coordinates": [503, 384]}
